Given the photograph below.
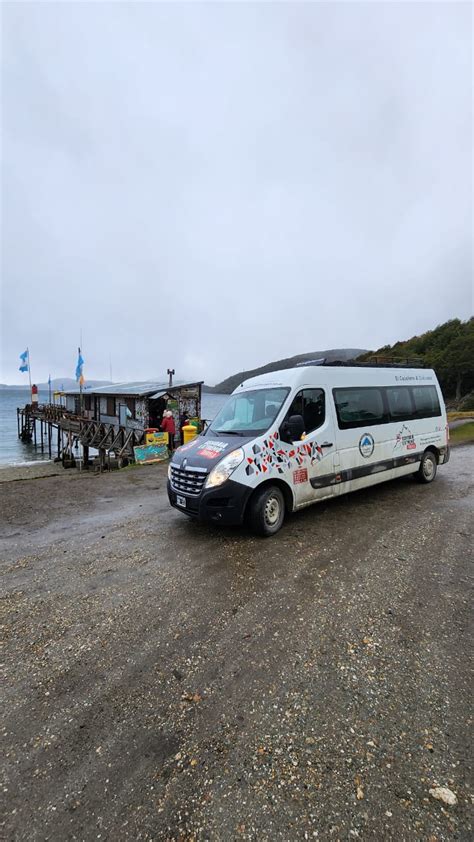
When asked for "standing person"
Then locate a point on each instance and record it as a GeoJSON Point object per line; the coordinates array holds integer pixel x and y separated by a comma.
{"type": "Point", "coordinates": [168, 426]}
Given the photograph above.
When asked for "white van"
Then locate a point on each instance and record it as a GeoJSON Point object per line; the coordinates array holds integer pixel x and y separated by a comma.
{"type": "Point", "coordinates": [291, 438]}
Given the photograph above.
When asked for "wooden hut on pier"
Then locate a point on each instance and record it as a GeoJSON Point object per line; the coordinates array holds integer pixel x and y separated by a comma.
{"type": "Point", "coordinates": [110, 419]}
{"type": "Point", "coordinates": [136, 405]}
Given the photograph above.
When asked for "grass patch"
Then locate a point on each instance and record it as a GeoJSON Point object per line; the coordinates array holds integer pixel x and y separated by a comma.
{"type": "Point", "coordinates": [462, 434]}
{"type": "Point", "coordinates": [457, 416]}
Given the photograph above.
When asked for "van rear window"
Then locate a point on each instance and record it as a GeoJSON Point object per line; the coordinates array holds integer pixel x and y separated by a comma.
{"type": "Point", "coordinates": [362, 407]}
{"type": "Point", "coordinates": [426, 402]}
{"type": "Point", "coordinates": [358, 407]}
{"type": "Point", "coordinates": [400, 403]}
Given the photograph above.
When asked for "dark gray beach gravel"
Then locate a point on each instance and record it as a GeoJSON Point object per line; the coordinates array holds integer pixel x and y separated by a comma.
{"type": "Point", "coordinates": [171, 681]}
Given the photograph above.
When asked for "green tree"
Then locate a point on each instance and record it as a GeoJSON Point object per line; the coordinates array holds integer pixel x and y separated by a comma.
{"type": "Point", "coordinates": [456, 358]}
{"type": "Point", "coordinates": [449, 349]}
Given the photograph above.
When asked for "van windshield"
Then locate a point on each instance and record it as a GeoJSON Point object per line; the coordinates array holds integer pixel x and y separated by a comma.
{"type": "Point", "coordinates": [249, 413]}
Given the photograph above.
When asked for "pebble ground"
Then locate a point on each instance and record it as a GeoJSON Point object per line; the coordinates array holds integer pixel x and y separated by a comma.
{"type": "Point", "coordinates": [171, 681]}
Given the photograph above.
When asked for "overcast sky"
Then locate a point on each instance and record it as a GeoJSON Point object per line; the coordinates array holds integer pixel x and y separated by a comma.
{"type": "Point", "coordinates": [213, 186]}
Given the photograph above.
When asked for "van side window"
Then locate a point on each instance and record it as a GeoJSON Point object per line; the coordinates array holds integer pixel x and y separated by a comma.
{"type": "Point", "coordinates": [359, 407]}
{"type": "Point", "coordinates": [426, 402]}
{"type": "Point", "coordinates": [400, 403]}
{"type": "Point", "coordinates": [310, 403]}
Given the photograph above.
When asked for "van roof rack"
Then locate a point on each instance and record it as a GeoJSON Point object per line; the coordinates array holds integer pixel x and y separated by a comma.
{"type": "Point", "coordinates": [319, 361]}
{"type": "Point", "coordinates": [374, 362]}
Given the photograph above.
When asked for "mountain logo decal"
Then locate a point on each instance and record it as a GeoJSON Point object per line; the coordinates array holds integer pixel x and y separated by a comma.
{"type": "Point", "coordinates": [366, 445]}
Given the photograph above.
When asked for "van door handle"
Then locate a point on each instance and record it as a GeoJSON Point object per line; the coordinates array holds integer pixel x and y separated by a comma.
{"type": "Point", "coordinates": [326, 444]}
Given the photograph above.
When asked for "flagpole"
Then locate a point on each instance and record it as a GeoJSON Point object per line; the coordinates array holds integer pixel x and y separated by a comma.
{"type": "Point", "coordinates": [81, 378]}
{"type": "Point", "coordinates": [29, 374]}
{"type": "Point", "coordinates": [80, 381]}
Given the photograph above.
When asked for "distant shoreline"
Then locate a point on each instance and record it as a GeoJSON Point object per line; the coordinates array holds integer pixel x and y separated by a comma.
{"type": "Point", "coordinates": [37, 470]}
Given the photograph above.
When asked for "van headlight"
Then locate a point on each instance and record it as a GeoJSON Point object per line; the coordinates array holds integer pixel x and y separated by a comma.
{"type": "Point", "coordinates": [225, 468]}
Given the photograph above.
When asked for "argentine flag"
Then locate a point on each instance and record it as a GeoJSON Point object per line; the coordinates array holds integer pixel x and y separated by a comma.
{"type": "Point", "coordinates": [80, 363]}
{"type": "Point", "coordinates": [25, 360]}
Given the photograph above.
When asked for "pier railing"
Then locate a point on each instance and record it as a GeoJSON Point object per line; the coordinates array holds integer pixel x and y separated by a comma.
{"type": "Point", "coordinates": [51, 412]}
{"type": "Point", "coordinates": [70, 429]}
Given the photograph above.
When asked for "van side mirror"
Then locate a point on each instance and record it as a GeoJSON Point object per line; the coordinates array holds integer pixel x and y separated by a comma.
{"type": "Point", "coordinates": [292, 429]}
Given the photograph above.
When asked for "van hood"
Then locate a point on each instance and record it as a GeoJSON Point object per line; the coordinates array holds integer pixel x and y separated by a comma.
{"type": "Point", "coordinates": [207, 451]}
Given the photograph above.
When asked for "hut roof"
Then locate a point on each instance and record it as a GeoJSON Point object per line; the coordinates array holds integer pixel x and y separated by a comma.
{"type": "Point", "coordinates": [150, 389]}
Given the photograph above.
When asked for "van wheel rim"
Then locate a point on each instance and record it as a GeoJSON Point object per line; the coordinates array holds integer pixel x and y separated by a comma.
{"type": "Point", "coordinates": [272, 511]}
{"type": "Point", "coordinates": [428, 468]}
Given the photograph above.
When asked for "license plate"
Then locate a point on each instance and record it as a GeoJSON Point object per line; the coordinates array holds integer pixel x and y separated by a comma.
{"type": "Point", "coordinates": [181, 501]}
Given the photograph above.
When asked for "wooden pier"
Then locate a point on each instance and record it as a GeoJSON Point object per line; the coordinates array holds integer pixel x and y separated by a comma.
{"type": "Point", "coordinates": [59, 433]}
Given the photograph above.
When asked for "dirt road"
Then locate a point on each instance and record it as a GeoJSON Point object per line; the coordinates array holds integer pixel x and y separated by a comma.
{"type": "Point", "coordinates": [172, 681]}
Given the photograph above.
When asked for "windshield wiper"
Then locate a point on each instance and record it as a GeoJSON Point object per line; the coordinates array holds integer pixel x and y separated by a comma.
{"type": "Point", "coordinates": [227, 432]}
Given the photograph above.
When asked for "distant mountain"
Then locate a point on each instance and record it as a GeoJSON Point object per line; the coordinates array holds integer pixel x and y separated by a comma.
{"type": "Point", "coordinates": [58, 383]}
{"type": "Point", "coordinates": [225, 387]}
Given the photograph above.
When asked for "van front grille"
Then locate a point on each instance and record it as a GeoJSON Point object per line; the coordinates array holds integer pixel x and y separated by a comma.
{"type": "Point", "coordinates": [188, 480]}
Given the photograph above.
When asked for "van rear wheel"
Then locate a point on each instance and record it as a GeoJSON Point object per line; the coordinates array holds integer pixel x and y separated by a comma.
{"type": "Point", "coordinates": [267, 511]}
{"type": "Point", "coordinates": [428, 467]}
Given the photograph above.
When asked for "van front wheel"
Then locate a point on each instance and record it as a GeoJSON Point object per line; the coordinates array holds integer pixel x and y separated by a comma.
{"type": "Point", "coordinates": [428, 467]}
{"type": "Point", "coordinates": [267, 511]}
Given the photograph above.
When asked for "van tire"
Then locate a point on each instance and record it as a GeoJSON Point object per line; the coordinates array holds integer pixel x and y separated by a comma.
{"type": "Point", "coordinates": [428, 467]}
{"type": "Point", "coordinates": [267, 511]}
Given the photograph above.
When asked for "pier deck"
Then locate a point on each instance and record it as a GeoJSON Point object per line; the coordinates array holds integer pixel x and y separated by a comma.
{"type": "Point", "coordinates": [59, 432]}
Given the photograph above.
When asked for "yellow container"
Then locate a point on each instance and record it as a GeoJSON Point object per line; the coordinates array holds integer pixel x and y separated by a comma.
{"type": "Point", "coordinates": [189, 433]}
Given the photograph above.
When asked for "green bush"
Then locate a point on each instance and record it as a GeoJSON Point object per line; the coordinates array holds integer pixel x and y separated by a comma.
{"type": "Point", "coordinates": [467, 403]}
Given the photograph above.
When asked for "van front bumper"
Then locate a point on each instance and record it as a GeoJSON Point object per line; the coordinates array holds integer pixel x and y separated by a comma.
{"type": "Point", "coordinates": [225, 504]}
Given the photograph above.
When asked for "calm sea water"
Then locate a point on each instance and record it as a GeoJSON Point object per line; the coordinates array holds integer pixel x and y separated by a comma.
{"type": "Point", "coordinates": [15, 452]}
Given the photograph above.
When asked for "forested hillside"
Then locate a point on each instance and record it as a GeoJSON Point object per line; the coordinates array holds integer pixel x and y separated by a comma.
{"type": "Point", "coordinates": [449, 349]}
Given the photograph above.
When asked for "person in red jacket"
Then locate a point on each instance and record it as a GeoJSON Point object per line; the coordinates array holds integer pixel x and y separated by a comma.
{"type": "Point", "coordinates": [168, 426]}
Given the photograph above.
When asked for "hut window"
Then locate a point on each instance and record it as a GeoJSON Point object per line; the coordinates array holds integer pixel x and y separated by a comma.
{"type": "Point", "coordinates": [88, 402]}
{"type": "Point", "coordinates": [110, 406]}
{"type": "Point", "coordinates": [131, 405]}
